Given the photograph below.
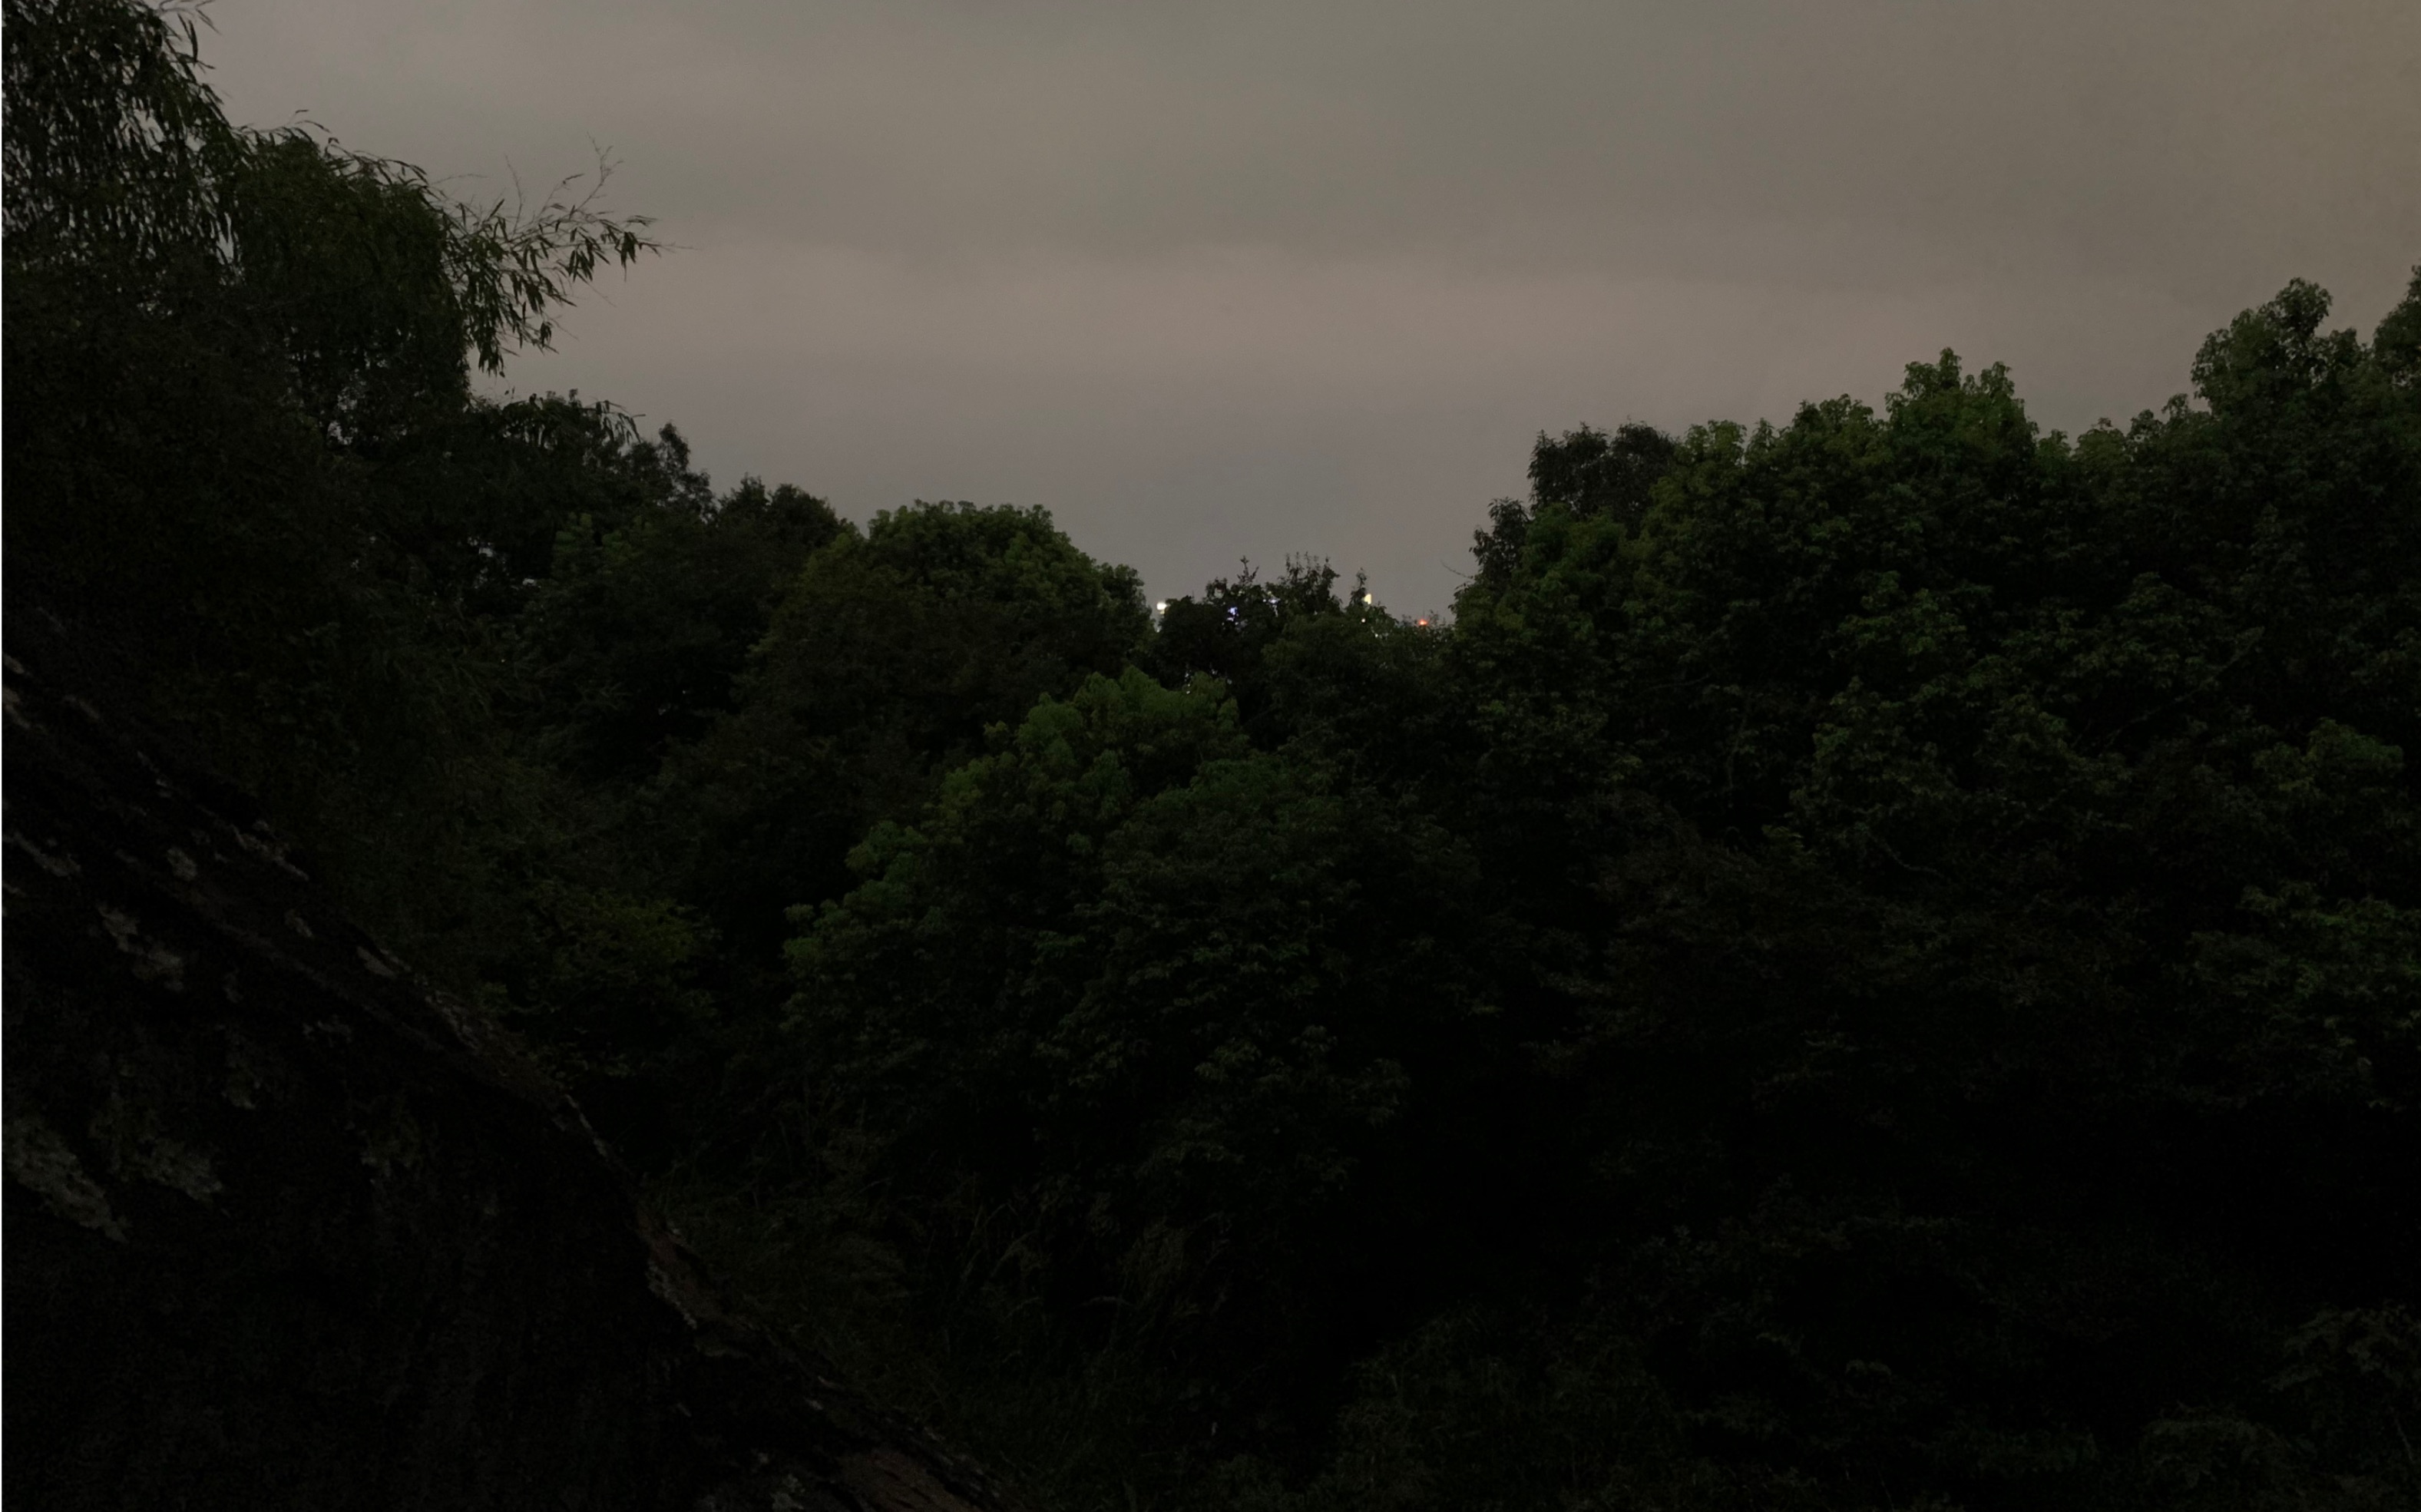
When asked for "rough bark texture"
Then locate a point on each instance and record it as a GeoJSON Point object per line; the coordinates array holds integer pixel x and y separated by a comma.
{"type": "Point", "coordinates": [286, 1230]}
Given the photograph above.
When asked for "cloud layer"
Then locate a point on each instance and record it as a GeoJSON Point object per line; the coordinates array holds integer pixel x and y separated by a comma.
{"type": "Point", "coordinates": [1261, 278]}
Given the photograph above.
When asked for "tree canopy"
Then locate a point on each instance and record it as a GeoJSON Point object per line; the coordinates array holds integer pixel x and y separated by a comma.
{"type": "Point", "coordinates": [1875, 962]}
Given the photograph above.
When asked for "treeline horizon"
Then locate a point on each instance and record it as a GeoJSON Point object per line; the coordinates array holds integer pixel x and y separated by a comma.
{"type": "Point", "coordinates": [1874, 961]}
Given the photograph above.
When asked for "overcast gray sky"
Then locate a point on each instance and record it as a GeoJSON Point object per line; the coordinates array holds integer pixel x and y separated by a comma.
{"type": "Point", "coordinates": [1245, 278]}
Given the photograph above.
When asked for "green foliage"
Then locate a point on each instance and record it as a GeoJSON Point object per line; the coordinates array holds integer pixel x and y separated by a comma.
{"type": "Point", "coordinates": [111, 135]}
{"type": "Point", "coordinates": [214, 336]}
{"type": "Point", "coordinates": [2035, 849]}
{"type": "Point", "coordinates": [614, 988]}
{"type": "Point", "coordinates": [1877, 962]}
{"type": "Point", "coordinates": [122, 166]}
{"type": "Point", "coordinates": [245, 460]}
{"type": "Point", "coordinates": [889, 655]}
{"type": "Point", "coordinates": [1228, 632]}
{"type": "Point", "coordinates": [1139, 1013]}
{"type": "Point", "coordinates": [633, 643]}
{"type": "Point", "coordinates": [1940, 889]}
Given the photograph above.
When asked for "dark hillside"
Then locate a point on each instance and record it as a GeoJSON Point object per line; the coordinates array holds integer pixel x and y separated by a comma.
{"type": "Point", "coordinates": [1875, 963]}
{"type": "Point", "coordinates": [286, 1229]}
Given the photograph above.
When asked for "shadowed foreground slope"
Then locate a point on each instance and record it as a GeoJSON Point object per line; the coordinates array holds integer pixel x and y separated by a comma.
{"type": "Point", "coordinates": [287, 1231]}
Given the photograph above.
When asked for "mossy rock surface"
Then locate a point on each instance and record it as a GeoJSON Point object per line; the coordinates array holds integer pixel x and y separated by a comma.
{"type": "Point", "coordinates": [285, 1229]}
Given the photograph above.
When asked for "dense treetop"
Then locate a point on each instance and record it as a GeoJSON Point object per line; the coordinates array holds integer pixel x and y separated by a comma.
{"type": "Point", "coordinates": [1876, 961]}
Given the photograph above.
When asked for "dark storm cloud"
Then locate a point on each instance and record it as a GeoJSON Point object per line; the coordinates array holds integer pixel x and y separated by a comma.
{"type": "Point", "coordinates": [1253, 278]}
